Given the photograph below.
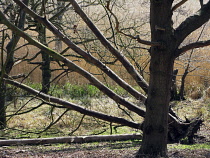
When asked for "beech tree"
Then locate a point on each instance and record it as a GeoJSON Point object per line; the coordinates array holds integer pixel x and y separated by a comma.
{"type": "Point", "coordinates": [160, 122]}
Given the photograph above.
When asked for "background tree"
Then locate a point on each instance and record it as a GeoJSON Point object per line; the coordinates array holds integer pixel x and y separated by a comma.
{"type": "Point", "coordinates": [18, 16]}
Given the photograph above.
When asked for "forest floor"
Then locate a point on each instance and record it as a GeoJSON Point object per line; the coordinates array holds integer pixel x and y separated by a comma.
{"type": "Point", "coordinates": [103, 152]}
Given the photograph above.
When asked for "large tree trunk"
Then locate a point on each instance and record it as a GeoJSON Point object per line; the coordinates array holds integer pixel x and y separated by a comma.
{"type": "Point", "coordinates": [155, 128]}
{"type": "Point", "coordinates": [156, 120]}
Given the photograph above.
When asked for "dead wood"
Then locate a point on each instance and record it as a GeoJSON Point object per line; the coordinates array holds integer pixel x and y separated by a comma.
{"type": "Point", "coordinates": [179, 129]}
{"type": "Point", "coordinates": [70, 139]}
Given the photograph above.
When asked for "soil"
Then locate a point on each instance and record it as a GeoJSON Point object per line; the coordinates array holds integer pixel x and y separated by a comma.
{"type": "Point", "coordinates": [34, 152]}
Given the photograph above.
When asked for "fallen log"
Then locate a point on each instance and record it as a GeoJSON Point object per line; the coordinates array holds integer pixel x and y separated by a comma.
{"type": "Point", "coordinates": [70, 139]}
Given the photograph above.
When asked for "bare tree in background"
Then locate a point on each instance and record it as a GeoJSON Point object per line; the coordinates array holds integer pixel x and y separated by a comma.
{"type": "Point", "coordinates": [6, 66]}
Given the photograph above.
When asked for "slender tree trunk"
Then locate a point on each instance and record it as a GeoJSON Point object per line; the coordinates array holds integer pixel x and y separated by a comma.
{"type": "Point", "coordinates": [58, 42]}
{"type": "Point", "coordinates": [181, 91]}
{"type": "Point", "coordinates": [2, 105]}
{"type": "Point", "coordinates": [9, 64]}
{"type": "Point", "coordinates": [46, 71]}
{"type": "Point", "coordinates": [174, 95]}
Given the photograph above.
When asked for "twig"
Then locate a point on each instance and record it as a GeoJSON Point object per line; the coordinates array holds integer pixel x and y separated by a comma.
{"type": "Point", "coordinates": [178, 5]}
{"type": "Point", "coordinates": [52, 123]}
{"type": "Point", "coordinates": [77, 126]}
{"type": "Point", "coordinates": [128, 35]}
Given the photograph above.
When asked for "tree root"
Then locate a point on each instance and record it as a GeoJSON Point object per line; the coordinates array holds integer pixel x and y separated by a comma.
{"type": "Point", "coordinates": [179, 129]}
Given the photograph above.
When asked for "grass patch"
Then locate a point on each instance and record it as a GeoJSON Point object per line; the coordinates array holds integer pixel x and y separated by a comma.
{"type": "Point", "coordinates": [74, 91]}
{"type": "Point", "coordinates": [115, 130]}
{"type": "Point", "coordinates": [191, 147]}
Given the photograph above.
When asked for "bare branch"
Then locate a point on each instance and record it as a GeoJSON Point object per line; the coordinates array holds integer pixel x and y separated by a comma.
{"type": "Point", "coordinates": [147, 42]}
{"type": "Point", "coordinates": [192, 23]}
{"type": "Point", "coordinates": [117, 27]}
{"type": "Point", "coordinates": [72, 66]}
{"type": "Point", "coordinates": [190, 46]}
{"type": "Point", "coordinates": [53, 122]}
{"type": "Point", "coordinates": [178, 5]}
{"type": "Point", "coordinates": [80, 123]}
{"type": "Point", "coordinates": [88, 57]}
{"type": "Point", "coordinates": [128, 66]}
{"type": "Point", "coordinates": [18, 76]}
{"type": "Point", "coordinates": [73, 106]}
{"type": "Point", "coordinates": [60, 12]}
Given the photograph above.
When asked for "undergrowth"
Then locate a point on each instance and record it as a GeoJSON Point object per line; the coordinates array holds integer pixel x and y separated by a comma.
{"type": "Point", "coordinates": [33, 124]}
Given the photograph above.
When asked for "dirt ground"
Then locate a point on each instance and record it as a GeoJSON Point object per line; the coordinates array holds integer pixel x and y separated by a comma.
{"type": "Point", "coordinates": [119, 149]}
{"type": "Point", "coordinates": [34, 152]}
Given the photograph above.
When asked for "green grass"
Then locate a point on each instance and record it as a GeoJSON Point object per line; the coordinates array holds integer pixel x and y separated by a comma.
{"type": "Point", "coordinates": [70, 90]}
{"type": "Point", "coordinates": [74, 91]}
{"type": "Point", "coordinates": [118, 130]}
{"type": "Point", "coordinates": [191, 147]}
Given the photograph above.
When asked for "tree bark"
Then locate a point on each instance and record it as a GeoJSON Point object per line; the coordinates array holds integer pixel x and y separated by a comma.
{"type": "Point", "coordinates": [181, 91]}
{"type": "Point", "coordinates": [71, 139]}
{"type": "Point", "coordinates": [45, 67]}
{"type": "Point", "coordinates": [155, 128]}
{"type": "Point", "coordinates": [2, 105]}
{"type": "Point", "coordinates": [174, 95]}
{"type": "Point", "coordinates": [58, 42]}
